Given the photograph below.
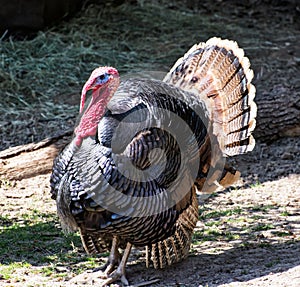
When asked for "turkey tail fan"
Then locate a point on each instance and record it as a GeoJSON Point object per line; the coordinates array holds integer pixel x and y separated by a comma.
{"type": "Point", "coordinates": [176, 247]}
{"type": "Point", "coordinates": [219, 73]}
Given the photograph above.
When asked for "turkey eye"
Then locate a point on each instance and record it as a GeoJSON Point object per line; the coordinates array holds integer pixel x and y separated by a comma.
{"type": "Point", "coordinates": [102, 79]}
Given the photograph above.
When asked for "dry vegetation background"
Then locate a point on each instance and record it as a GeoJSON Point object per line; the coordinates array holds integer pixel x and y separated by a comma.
{"type": "Point", "coordinates": [248, 235]}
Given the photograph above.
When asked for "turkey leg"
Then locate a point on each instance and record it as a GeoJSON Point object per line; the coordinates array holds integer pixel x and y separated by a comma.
{"type": "Point", "coordinates": [119, 273]}
{"type": "Point", "coordinates": [113, 259]}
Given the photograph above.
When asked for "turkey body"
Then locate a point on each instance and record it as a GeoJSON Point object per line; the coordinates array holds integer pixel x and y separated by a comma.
{"type": "Point", "coordinates": [94, 187]}
{"type": "Point", "coordinates": [134, 182]}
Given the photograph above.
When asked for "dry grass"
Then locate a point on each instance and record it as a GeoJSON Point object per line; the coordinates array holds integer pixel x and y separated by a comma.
{"type": "Point", "coordinates": [59, 60]}
{"type": "Point", "coordinates": [38, 76]}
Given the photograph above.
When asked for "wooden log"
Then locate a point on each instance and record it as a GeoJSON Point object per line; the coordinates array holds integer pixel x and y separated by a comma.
{"type": "Point", "coordinates": [32, 159]}
{"type": "Point", "coordinates": [278, 114]}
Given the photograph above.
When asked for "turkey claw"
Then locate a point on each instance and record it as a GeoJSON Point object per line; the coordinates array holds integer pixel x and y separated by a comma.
{"type": "Point", "coordinates": [114, 276]}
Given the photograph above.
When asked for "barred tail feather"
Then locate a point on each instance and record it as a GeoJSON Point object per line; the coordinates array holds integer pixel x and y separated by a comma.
{"type": "Point", "coordinates": [219, 73]}
{"type": "Point", "coordinates": [176, 247]}
{"type": "Point", "coordinates": [94, 244]}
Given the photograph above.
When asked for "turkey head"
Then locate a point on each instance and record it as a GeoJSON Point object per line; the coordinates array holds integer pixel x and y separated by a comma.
{"type": "Point", "coordinates": [103, 82]}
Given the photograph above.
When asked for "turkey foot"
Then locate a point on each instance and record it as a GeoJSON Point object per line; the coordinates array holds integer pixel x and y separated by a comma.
{"type": "Point", "coordinates": [119, 273]}
{"type": "Point", "coordinates": [113, 259]}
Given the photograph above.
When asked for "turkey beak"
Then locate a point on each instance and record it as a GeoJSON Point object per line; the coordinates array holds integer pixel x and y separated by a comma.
{"type": "Point", "coordinates": [85, 89]}
{"type": "Point", "coordinates": [89, 85]}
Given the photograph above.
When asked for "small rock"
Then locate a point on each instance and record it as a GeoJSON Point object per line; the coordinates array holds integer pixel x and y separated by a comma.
{"type": "Point", "coordinates": [287, 156]}
{"type": "Point", "coordinates": [61, 269]}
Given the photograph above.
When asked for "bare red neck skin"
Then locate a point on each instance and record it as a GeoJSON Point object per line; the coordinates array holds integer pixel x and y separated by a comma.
{"type": "Point", "coordinates": [92, 116]}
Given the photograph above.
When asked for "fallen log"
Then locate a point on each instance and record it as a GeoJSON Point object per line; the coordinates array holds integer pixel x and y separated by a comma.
{"type": "Point", "coordinates": [278, 114]}
{"type": "Point", "coordinates": [31, 159]}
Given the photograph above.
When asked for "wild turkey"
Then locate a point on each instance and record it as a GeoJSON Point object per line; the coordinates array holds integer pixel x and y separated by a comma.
{"type": "Point", "coordinates": [143, 147]}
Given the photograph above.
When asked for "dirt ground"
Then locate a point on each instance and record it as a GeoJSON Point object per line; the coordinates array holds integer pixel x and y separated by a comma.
{"type": "Point", "coordinates": [247, 235]}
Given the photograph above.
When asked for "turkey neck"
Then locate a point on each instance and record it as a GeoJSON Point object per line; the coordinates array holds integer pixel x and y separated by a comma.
{"type": "Point", "coordinates": [93, 114]}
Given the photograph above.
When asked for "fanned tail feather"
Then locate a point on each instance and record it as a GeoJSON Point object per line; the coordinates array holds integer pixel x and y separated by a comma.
{"type": "Point", "coordinates": [219, 73]}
